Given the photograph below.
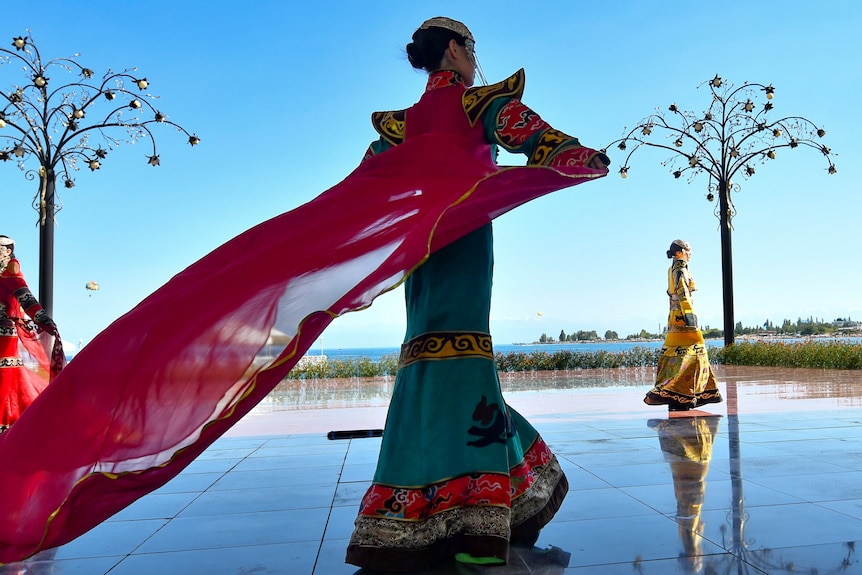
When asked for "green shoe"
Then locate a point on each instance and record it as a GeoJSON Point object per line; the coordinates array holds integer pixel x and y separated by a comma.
{"type": "Point", "coordinates": [467, 558]}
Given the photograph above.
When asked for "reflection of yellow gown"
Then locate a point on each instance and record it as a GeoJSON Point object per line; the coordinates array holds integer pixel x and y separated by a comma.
{"type": "Point", "coordinates": [687, 446]}
{"type": "Point", "coordinates": [684, 379]}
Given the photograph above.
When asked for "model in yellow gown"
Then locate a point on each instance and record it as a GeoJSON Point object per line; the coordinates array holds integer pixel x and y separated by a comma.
{"type": "Point", "coordinates": [684, 379]}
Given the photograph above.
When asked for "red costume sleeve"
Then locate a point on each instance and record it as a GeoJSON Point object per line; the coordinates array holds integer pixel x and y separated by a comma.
{"type": "Point", "coordinates": [17, 286]}
{"type": "Point", "coordinates": [517, 128]}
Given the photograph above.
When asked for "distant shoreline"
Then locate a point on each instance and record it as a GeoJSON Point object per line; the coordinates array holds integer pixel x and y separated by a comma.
{"type": "Point", "coordinates": [846, 335]}
{"type": "Point", "coordinates": [582, 341]}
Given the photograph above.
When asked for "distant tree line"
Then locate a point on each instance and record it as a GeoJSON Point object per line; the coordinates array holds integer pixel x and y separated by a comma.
{"type": "Point", "coordinates": [592, 335]}
{"type": "Point", "coordinates": [580, 335]}
{"type": "Point", "coordinates": [801, 327]}
{"type": "Point", "coordinates": [810, 353]}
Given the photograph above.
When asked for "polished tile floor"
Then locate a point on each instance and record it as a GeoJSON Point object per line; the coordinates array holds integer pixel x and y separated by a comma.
{"type": "Point", "coordinates": [768, 482]}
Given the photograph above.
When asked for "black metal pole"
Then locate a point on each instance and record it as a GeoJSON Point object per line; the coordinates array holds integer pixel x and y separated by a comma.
{"type": "Point", "coordinates": [46, 246]}
{"type": "Point", "coordinates": [726, 261]}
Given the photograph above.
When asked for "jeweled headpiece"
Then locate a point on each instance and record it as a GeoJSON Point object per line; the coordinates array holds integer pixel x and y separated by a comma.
{"type": "Point", "coordinates": [448, 24]}
{"type": "Point", "coordinates": [4, 241]}
{"type": "Point", "coordinates": [461, 29]}
{"type": "Point", "coordinates": [678, 246]}
{"type": "Point", "coordinates": [682, 244]}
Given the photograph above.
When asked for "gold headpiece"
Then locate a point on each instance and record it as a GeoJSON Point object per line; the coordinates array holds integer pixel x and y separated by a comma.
{"type": "Point", "coordinates": [458, 28]}
{"type": "Point", "coordinates": [682, 244]}
{"type": "Point", "coordinates": [448, 24]}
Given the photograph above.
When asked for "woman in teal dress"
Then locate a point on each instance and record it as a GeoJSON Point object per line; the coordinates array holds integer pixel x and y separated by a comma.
{"type": "Point", "coordinates": [461, 474]}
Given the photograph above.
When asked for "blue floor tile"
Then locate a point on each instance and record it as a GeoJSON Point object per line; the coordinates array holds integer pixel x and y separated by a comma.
{"type": "Point", "coordinates": [779, 490]}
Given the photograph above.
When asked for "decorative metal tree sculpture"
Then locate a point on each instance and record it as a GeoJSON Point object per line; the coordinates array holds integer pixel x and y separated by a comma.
{"type": "Point", "coordinates": [55, 125]}
{"type": "Point", "coordinates": [729, 139]}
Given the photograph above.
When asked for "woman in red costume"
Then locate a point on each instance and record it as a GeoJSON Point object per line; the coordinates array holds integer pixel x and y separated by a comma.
{"type": "Point", "coordinates": [460, 474]}
{"type": "Point", "coordinates": [182, 363]}
{"type": "Point", "coordinates": [19, 385]}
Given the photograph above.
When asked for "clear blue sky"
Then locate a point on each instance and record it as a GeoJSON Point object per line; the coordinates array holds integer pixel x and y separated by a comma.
{"type": "Point", "coordinates": [280, 93]}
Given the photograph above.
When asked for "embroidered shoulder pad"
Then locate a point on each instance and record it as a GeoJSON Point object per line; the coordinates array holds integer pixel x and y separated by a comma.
{"type": "Point", "coordinates": [390, 125]}
{"type": "Point", "coordinates": [476, 100]}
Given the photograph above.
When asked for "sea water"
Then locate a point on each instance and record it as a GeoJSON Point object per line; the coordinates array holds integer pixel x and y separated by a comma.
{"type": "Point", "coordinates": [375, 353]}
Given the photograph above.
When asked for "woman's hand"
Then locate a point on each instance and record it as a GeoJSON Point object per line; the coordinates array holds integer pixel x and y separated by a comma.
{"type": "Point", "coordinates": [597, 163]}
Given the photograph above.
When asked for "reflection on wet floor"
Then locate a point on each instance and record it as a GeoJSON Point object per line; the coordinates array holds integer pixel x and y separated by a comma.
{"type": "Point", "coordinates": [686, 442]}
{"type": "Point", "coordinates": [768, 482]}
{"type": "Point", "coordinates": [756, 382]}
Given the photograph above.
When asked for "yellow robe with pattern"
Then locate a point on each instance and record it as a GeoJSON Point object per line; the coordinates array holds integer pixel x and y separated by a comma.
{"type": "Point", "coordinates": [684, 378]}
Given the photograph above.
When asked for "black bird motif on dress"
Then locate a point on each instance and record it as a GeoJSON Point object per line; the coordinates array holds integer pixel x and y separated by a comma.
{"type": "Point", "coordinates": [493, 420]}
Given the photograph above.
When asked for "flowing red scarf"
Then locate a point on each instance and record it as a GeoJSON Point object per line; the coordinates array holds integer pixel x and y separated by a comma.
{"type": "Point", "coordinates": [162, 382]}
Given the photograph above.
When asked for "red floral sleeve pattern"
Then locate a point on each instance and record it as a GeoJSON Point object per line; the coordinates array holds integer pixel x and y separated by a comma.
{"type": "Point", "coordinates": [555, 149]}
{"type": "Point", "coordinates": [516, 123]}
{"type": "Point", "coordinates": [520, 129]}
{"type": "Point", "coordinates": [477, 101]}
{"type": "Point", "coordinates": [550, 144]}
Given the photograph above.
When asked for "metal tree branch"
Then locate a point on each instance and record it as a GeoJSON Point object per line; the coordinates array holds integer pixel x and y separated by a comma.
{"type": "Point", "coordinates": [50, 121]}
{"type": "Point", "coordinates": [726, 140]}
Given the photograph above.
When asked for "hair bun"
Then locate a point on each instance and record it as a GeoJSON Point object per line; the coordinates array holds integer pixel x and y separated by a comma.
{"type": "Point", "coordinates": [414, 55]}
